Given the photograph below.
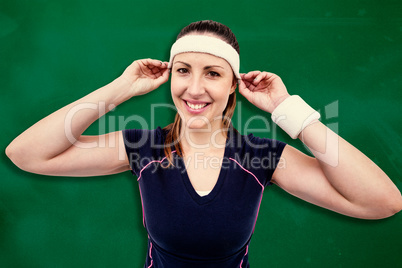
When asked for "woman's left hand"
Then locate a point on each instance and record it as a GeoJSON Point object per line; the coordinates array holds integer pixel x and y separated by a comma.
{"type": "Point", "coordinates": [265, 90]}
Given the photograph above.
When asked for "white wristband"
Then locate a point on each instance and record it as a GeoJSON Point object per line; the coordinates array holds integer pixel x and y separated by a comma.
{"type": "Point", "coordinates": [293, 115]}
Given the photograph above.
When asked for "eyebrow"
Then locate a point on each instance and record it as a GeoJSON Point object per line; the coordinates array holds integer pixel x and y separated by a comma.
{"type": "Point", "coordinates": [205, 68]}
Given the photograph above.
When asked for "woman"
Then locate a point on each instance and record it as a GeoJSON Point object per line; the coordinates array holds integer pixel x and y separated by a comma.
{"type": "Point", "coordinates": [201, 182]}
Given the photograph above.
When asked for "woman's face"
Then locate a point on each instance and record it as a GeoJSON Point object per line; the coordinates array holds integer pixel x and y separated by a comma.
{"type": "Point", "coordinates": [200, 85]}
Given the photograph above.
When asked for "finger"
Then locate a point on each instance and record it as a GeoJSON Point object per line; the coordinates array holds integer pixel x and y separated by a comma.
{"type": "Point", "coordinates": [163, 78]}
{"type": "Point", "coordinates": [245, 81]}
{"type": "Point", "coordinates": [271, 76]}
{"type": "Point", "coordinates": [259, 78]}
{"type": "Point", "coordinates": [156, 70]}
{"type": "Point", "coordinates": [245, 91]}
{"type": "Point", "coordinates": [251, 75]}
{"type": "Point", "coordinates": [156, 66]}
{"type": "Point", "coordinates": [248, 84]}
{"type": "Point", "coordinates": [151, 64]}
{"type": "Point", "coordinates": [164, 64]}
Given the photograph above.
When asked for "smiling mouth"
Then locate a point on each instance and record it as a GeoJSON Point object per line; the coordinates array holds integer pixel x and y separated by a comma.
{"type": "Point", "coordinates": [196, 106]}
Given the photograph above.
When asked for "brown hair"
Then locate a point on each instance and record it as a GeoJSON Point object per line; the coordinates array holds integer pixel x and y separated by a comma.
{"type": "Point", "coordinates": [173, 129]}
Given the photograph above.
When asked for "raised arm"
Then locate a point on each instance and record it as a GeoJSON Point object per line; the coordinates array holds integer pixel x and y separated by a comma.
{"type": "Point", "coordinates": [55, 145]}
{"type": "Point", "coordinates": [340, 177]}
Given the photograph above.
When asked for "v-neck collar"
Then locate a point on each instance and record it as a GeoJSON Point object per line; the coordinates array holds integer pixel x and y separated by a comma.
{"type": "Point", "coordinates": [219, 183]}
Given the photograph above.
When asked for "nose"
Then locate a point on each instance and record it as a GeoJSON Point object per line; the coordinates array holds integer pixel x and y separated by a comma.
{"type": "Point", "coordinates": [195, 87]}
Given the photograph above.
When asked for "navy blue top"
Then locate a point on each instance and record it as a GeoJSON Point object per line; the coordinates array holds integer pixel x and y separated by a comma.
{"type": "Point", "coordinates": [185, 229]}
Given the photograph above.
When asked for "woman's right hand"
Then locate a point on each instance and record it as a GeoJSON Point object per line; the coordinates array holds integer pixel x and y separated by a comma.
{"type": "Point", "coordinates": [145, 75]}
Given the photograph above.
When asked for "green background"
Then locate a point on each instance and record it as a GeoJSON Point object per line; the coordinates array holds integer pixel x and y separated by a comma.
{"type": "Point", "coordinates": [343, 57]}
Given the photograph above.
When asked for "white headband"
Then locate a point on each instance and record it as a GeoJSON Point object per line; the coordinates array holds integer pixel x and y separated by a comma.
{"type": "Point", "coordinates": [207, 44]}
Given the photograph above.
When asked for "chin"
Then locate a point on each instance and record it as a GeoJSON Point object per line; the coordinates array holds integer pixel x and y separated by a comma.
{"type": "Point", "coordinates": [198, 124]}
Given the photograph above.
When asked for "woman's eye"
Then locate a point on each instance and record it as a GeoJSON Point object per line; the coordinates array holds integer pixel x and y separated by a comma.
{"type": "Point", "coordinates": [214, 74]}
{"type": "Point", "coordinates": [182, 70]}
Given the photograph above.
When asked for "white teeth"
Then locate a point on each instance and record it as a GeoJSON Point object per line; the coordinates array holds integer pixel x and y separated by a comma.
{"type": "Point", "coordinates": [196, 106]}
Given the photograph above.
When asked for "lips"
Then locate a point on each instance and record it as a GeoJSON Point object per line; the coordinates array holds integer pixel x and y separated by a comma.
{"type": "Point", "coordinates": [196, 106]}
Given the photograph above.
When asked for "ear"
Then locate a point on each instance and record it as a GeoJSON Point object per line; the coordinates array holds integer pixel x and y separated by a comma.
{"type": "Point", "coordinates": [234, 86]}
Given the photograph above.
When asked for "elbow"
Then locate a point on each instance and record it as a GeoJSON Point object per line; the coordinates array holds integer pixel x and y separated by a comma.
{"type": "Point", "coordinates": [28, 161]}
{"type": "Point", "coordinates": [396, 205]}
{"type": "Point", "coordinates": [382, 208]}
{"type": "Point", "coordinates": [395, 201]}
{"type": "Point", "coordinates": [18, 157]}
{"type": "Point", "coordinates": [9, 151]}
{"type": "Point", "coordinates": [390, 211]}
{"type": "Point", "coordinates": [389, 203]}
{"type": "Point", "coordinates": [389, 207]}
{"type": "Point", "coordinates": [12, 154]}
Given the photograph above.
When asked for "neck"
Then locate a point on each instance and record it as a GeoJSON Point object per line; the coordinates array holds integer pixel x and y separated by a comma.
{"type": "Point", "coordinates": [203, 139]}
